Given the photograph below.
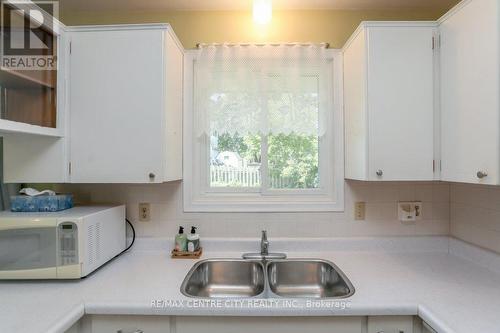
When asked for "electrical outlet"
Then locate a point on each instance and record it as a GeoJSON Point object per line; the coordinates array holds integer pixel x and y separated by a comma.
{"type": "Point", "coordinates": [410, 211]}
{"type": "Point", "coordinates": [144, 212]}
{"type": "Point", "coordinates": [418, 210]}
{"type": "Point", "coordinates": [359, 211]}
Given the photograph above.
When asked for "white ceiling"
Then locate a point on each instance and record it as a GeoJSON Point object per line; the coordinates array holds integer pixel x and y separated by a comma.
{"type": "Point", "coordinates": [127, 5]}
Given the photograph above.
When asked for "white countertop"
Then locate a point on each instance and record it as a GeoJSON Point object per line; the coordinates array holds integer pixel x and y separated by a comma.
{"type": "Point", "coordinates": [391, 277]}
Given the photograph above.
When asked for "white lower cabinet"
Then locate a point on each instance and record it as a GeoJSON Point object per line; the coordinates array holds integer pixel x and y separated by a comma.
{"type": "Point", "coordinates": [76, 328]}
{"type": "Point", "coordinates": [225, 324]}
{"type": "Point", "coordinates": [269, 324]}
{"type": "Point", "coordinates": [127, 324]}
{"type": "Point", "coordinates": [391, 324]}
{"type": "Point", "coordinates": [426, 328]}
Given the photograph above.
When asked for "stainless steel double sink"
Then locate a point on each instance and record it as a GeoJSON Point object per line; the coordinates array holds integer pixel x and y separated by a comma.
{"type": "Point", "coordinates": [289, 278]}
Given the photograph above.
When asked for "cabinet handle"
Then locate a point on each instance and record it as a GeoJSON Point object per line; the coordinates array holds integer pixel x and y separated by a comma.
{"type": "Point", "coordinates": [379, 173]}
{"type": "Point", "coordinates": [482, 174]}
{"type": "Point", "coordinates": [136, 331]}
{"type": "Point", "coordinates": [151, 177]}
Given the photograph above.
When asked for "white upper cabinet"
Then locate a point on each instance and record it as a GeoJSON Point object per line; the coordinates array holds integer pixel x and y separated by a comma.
{"type": "Point", "coordinates": [33, 111]}
{"type": "Point", "coordinates": [30, 80]}
{"type": "Point", "coordinates": [125, 104]}
{"type": "Point", "coordinates": [389, 101]}
{"type": "Point", "coordinates": [470, 109]}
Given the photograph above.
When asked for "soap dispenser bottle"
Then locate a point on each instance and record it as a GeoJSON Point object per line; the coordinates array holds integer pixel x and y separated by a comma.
{"type": "Point", "coordinates": [193, 240]}
{"type": "Point", "coordinates": [181, 240]}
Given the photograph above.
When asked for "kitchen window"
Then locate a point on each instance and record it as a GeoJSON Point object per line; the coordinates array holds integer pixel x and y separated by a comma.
{"type": "Point", "coordinates": [263, 129]}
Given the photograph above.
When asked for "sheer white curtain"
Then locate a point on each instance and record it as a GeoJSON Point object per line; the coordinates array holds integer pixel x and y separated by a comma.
{"type": "Point", "coordinates": [262, 89]}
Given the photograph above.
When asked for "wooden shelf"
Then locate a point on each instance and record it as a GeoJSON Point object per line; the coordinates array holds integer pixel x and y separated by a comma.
{"type": "Point", "coordinates": [27, 79]}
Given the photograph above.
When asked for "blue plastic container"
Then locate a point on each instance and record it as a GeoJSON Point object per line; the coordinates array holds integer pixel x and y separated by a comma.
{"type": "Point", "coordinates": [43, 203]}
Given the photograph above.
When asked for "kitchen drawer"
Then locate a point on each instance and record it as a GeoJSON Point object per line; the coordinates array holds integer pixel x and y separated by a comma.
{"type": "Point", "coordinates": [390, 324]}
{"type": "Point", "coordinates": [269, 324]}
{"type": "Point", "coordinates": [129, 324]}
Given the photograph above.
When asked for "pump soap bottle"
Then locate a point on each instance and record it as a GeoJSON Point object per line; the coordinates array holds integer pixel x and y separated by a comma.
{"type": "Point", "coordinates": [193, 240]}
{"type": "Point", "coordinates": [181, 240]}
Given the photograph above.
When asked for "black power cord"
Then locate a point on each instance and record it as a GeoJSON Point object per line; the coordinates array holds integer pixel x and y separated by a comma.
{"type": "Point", "coordinates": [133, 235]}
{"type": "Point", "coordinates": [133, 239]}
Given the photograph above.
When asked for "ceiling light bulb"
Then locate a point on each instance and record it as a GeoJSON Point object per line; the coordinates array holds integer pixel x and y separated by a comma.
{"type": "Point", "coordinates": [262, 11]}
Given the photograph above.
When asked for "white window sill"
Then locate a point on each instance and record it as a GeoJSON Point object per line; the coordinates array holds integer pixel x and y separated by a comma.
{"type": "Point", "coordinates": [230, 204]}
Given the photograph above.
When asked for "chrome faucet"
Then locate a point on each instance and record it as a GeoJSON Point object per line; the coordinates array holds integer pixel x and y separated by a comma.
{"type": "Point", "coordinates": [264, 251]}
{"type": "Point", "coordinates": [264, 244]}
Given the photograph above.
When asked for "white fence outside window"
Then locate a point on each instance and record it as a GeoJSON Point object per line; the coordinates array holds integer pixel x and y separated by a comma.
{"type": "Point", "coordinates": [246, 176]}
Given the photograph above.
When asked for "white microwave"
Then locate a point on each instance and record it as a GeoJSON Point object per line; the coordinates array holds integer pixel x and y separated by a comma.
{"type": "Point", "coordinates": [64, 245]}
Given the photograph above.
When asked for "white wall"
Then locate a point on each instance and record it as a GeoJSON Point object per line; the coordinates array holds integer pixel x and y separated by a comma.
{"type": "Point", "coordinates": [381, 212]}
{"type": "Point", "coordinates": [475, 214]}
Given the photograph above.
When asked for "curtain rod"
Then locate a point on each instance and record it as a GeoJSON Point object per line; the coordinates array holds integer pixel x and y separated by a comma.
{"type": "Point", "coordinates": [201, 45]}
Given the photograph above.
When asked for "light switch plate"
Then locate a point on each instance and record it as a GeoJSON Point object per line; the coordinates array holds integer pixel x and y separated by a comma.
{"type": "Point", "coordinates": [359, 211]}
{"type": "Point", "coordinates": [144, 212]}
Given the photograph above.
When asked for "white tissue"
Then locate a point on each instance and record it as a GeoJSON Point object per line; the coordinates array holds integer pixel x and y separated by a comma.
{"type": "Point", "coordinates": [34, 193]}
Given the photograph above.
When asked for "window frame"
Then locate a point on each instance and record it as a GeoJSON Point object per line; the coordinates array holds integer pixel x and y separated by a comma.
{"type": "Point", "coordinates": [198, 197]}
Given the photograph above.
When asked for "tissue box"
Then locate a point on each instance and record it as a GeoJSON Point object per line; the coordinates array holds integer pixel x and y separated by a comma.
{"type": "Point", "coordinates": [43, 203]}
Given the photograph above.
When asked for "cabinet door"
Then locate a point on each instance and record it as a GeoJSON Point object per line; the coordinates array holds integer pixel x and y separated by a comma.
{"type": "Point", "coordinates": [401, 102]}
{"type": "Point", "coordinates": [392, 324]}
{"type": "Point", "coordinates": [269, 324]}
{"type": "Point", "coordinates": [355, 108]}
{"type": "Point", "coordinates": [469, 93]}
{"type": "Point", "coordinates": [40, 158]}
{"type": "Point", "coordinates": [28, 94]}
{"type": "Point", "coordinates": [31, 159]}
{"type": "Point", "coordinates": [116, 102]}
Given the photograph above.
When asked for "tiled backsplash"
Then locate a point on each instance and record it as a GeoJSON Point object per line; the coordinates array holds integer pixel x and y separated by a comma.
{"type": "Point", "coordinates": [475, 215]}
{"type": "Point", "coordinates": [381, 212]}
